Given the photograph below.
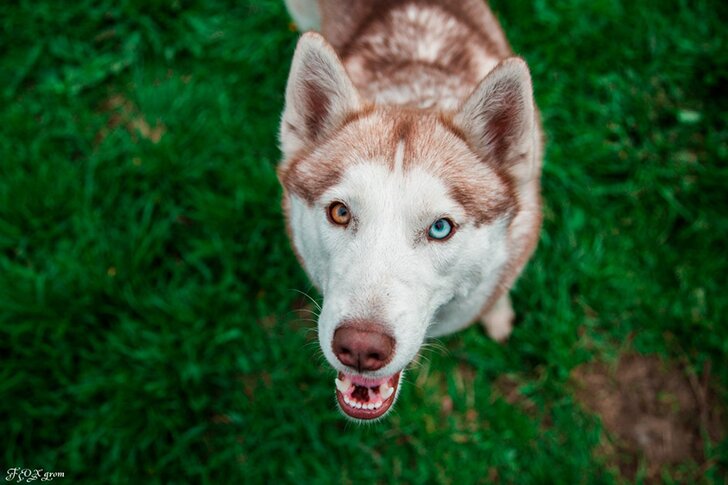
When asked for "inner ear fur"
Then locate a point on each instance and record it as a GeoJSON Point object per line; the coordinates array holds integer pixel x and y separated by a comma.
{"type": "Point", "coordinates": [498, 118]}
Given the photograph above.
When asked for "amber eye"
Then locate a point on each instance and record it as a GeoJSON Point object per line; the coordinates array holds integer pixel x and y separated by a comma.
{"type": "Point", "coordinates": [339, 214]}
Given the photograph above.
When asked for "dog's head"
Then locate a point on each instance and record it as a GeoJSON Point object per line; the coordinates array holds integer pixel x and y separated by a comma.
{"type": "Point", "coordinates": [397, 215]}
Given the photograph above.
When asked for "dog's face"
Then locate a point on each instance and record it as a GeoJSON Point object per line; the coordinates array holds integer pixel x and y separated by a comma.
{"type": "Point", "coordinates": [393, 213]}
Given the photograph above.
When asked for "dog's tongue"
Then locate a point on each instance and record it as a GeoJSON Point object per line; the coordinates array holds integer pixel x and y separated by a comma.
{"type": "Point", "coordinates": [364, 398]}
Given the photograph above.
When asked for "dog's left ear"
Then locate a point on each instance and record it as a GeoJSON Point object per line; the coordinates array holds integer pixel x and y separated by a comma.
{"type": "Point", "coordinates": [498, 118]}
{"type": "Point", "coordinates": [319, 94]}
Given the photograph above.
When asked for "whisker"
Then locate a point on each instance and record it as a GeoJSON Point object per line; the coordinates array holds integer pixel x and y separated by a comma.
{"type": "Point", "coordinates": [305, 320]}
{"type": "Point", "coordinates": [308, 310]}
{"type": "Point", "coordinates": [310, 298]}
{"type": "Point", "coordinates": [437, 346]}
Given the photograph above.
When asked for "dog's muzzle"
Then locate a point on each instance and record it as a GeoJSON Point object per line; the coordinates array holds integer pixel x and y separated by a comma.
{"type": "Point", "coordinates": [364, 346]}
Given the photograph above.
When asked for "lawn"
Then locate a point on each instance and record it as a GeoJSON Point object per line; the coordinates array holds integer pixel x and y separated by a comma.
{"type": "Point", "coordinates": [153, 323]}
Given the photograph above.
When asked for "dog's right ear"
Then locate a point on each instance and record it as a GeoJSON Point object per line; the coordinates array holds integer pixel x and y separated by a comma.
{"type": "Point", "coordinates": [499, 119]}
{"type": "Point", "coordinates": [319, 94]}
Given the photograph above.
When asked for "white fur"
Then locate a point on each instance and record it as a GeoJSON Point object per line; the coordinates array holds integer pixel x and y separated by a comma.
{"type": "Point", "coordinates": [383, 267]}
{"type": "Point", "coordinates": [498, 321]}
{"type": "Point", "coordinates": [305, 13]}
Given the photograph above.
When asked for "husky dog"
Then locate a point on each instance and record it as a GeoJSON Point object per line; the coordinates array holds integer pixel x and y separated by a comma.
{"type": "Point", "coordinates": [412, 157]}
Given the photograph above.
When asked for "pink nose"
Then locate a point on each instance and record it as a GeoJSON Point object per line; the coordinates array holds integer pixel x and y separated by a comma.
{"type": "Point", "coordinates": [365, 346]}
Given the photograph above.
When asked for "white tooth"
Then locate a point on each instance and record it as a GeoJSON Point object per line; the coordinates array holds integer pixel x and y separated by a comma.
{"type": "Point", "coordinates": [342, 386]}
{"type": "Point", "coordinates": [378, 405]}
{"type": "Point", "coordinates": [346, 400]}
{"type": "Point", "coordinates": [357, 405]}
{"type": "Point", "coordinates": [370, 406]}
{"type": "Point", "coordinates": [388, 392]}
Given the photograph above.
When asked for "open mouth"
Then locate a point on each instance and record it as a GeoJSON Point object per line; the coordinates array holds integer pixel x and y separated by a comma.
{"type": "Point", "coordinates": [363, 398]}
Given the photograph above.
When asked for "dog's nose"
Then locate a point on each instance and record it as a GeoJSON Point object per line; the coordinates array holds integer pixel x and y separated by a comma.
{"type": "Point", "coordinates": [365, 346]}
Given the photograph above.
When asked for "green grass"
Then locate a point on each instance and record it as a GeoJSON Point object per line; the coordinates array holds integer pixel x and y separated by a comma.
{"type": "Point", "coordinates": [147, 288]}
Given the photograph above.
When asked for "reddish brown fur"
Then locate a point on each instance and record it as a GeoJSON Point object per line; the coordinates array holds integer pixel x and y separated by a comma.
{"type": "Point", "coordinates": [345, 22]}
{"type": "Point", "coordinates": [317, 107]}
{"type": "Point", "coordinates": [427, 142]}
{"type": "Point", "coordinates": [447, 122]}
{"type": "Point", "coordinates": [357, 115]}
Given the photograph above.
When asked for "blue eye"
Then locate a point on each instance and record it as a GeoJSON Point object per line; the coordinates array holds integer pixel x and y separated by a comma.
{"type": "Point", "coordinates": [440, 229]}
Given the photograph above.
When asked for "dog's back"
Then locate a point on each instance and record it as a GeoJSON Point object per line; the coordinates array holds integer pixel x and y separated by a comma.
{"type": "Point", "coordinates": [421, 54]}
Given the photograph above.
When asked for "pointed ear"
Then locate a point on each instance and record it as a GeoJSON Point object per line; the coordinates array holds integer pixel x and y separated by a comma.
{"type": "Point", "coordinates": [319, 94]}
{"type": "Point", "coordinates": [498, 118]}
